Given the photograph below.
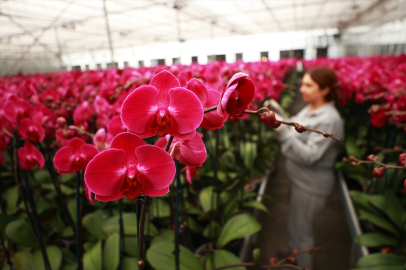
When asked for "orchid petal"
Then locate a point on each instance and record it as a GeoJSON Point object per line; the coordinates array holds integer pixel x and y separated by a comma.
{"type": "Point", "coordinates": [115, 126]}
{"type": "Point", "coordinates": [246, 92]}
{"type": "Point", "coordinates": [105, 172]}
{"type": "Point", "coordinates": [110, 198]}
{"type": "Point", "coordinates": [199, 89]}
{"type": "Point", "coordinates": [138, 109]}
{"type": "Point", "coordinates": [163, 82]}
{"type": "Point", "coordinates": [63, 159]}
{"type": "Point", "coordinates": [128, 142]}
{"type": "Point", "coordinates": [235, 78]}
{"type": "Point", "coordinates": [187, 119]}
{"type": "Point", "coordinates": [156, 165]}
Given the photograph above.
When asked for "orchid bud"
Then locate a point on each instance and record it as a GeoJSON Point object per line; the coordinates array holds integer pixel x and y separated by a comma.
{"type": "Point", "coordinates": [300, 128]}
{"type": "Point", "coordinates": [272, 261]}
{"type": "Point", "coordinates": [372, 157]}
{"type": "Point", "coordinates": [61, 121]}
{"type": "Point", "coordinates": [353, 163]}
{"type": "Point", "coordinates": [233, 119]}
{"type": "Point", "coordinates": [402, 159]}
{"type": "Point", "coordinates": [292, 259]}
{"type": "Point", "coordinates": [404, 184]}
{"type": "Point", "coordinates": [378, 172]}
{"type": "Point", "coordinates": [268, 118]}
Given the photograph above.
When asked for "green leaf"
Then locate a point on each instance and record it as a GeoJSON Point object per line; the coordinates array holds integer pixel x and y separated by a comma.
{"type": "Point", "coordinates": [379, 221]}
{"type": "Point", "coordinates": [131, 246]}
{"type": "Point", "coordinates": [212, 230]}
{"type": "Point", "coordinates": [4, 220]}
{"type": "Point", "coordinates": [256, 254]}
{"type": "Point", "coordinates": [378, 259]}
{"type": "Point", "coordinates": [239, 226]}
{"type": "Point", "coordinates": [206, 201]}
{"type": "Point", "coordinates": [193, 225]}
{"type": "Point", "coordinates": [10, 195]}
{"type": "Point", "coordinates": [111, 254]}
{"type": "Point", "coordinates": [92, 259]}
{"type": "Point", "coordinates": [160, 208]}
{"type": "Point", "coordinates": [129, 263]}
{"type": "Point", "coordinates": [375, 239]}
{"type": "Point", "coordinates": [361, 201]}
{"type": "Point", "coordinates": [93, 223]}
{"type": "Point", "coordinates": [167, 236]}
{"type": "Point", "coordinates": [69, 266]}
{"type": "Point", "coordinates": [20, 231]}
{"type": "Point", "coordinates": [382, 267]}
{"type": "Point", "coordinates": [223, 257]}
{"type": "Point", "coordinates": [352, 148]}
{"type": "Point", "coordinates": [22, 260]}
{"type": "Point", "coordinates": [130, 225]}
{"type": "Point", "coordinates": [67, 177]}
{"type": "Point", "coordinates": [54, 257]}
{"type": "Point", "coordinates": [256, 204]}
{"type": "Point", "coordinates": [161, 258]}
{"type": "Point", "coordinates": [42, 176]}
{"type": "Point", "coordinates": [64, 188]}
{"type": "Point", "coordinates": [68, 255]}
{"type": "Point", "coordinates": [394, 209]}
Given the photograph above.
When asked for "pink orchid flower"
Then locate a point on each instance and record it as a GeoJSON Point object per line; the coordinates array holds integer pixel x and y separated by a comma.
{"type": "Point", "coordinates": [239, 93]}
{"type": "Point", "coordinates": [31, 130]}
{"type": "Point", "coordinates": [208, 98]}
{"type": "Point", "coordinates": [128, 169]}
{"type": "Point", "coordinates": [29, 156]}
{"type": "Point", "coordinates": [162, 108]}
{"type": "Point", "coordinates": [189, 152]}
{"type": "Point", "coordinates": [74, 157]}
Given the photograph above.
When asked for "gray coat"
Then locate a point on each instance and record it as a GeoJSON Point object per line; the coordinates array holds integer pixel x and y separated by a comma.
{"type": "Point", "coordinates": [310, 156]}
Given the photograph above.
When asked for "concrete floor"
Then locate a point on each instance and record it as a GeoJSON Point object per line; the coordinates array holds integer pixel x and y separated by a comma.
{"type": "Point", "coordinates": [330, 226]}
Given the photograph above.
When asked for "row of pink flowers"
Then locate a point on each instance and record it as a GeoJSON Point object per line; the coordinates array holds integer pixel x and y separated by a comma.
{"type": "Point", "coordinates": [378, 79]}
{"type": "Point", "coordinates": [117, 108]}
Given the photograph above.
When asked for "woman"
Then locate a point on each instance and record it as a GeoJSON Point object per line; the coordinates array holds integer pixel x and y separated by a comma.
{"type": "Point", "coordinates": [310, 156]}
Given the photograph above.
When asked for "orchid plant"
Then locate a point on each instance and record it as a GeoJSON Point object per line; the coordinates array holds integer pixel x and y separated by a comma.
{"type": "Point", "coordinates": [144, 123]}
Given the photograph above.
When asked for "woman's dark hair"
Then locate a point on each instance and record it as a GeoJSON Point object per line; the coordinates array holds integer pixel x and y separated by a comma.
{"type": "Point", "coordinates": [326, 77]}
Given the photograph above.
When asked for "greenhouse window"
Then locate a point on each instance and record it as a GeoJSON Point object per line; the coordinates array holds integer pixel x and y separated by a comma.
{"type": "Point", "coordinates": [238, 56]}
{"type": "Point", "coordinates": [157, 62]}
{"type": "Point", "coordinates": [175, 60]}
{"type": "Point", "coordinates": [321, 52]}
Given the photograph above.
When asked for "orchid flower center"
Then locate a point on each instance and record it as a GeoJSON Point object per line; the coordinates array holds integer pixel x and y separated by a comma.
{"type": "Point", "coordinates": [130, 187]}
{"type": "Point", "coordinates": [161, 124]}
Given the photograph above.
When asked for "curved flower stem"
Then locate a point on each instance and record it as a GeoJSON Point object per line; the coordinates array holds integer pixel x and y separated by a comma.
{"type": "Point", "coordinates": [141, 226]}
{"type": "Point", "coordinates": [168, 144]}
{"type": "Point", "coordinates": [297, 125]}
{"type": "Point", "coordinates": [177, 240]}
{"type": "Point", "coordinates": [121, 244]}
{"type": "Point", "coordinates": [210, 109]}
{"type": "Point", "coordinates": [383, 165]}
{"type": "Point", "coordinates": [36, 221]}
{"type": "Point", "coordinates": [79, 223]}
{"type": "Point", "coordinates": [59, 194]}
